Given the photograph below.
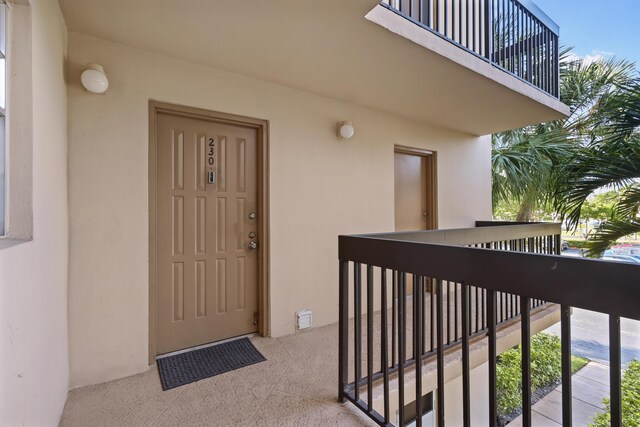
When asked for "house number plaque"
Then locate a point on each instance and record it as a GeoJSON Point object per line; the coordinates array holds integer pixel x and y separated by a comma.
{"type": "Point", "coordinates": [211, 174]}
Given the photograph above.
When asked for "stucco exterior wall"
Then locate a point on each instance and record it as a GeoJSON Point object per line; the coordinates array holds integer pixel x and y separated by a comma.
{"type": "Point", "coordinates": [479, 384]}
{"type": "Point", "coordinates": [320, 187]}
{"type": "Point", "coordinates": [33, 274]}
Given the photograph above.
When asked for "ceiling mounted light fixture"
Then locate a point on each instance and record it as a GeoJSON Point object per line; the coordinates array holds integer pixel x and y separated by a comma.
{"type": "Point", "coordinates": [94, 79]}
{"type": "Point", "coordinates": [345, 130]}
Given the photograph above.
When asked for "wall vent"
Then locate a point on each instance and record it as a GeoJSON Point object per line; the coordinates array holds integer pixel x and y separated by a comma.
{"type": "Point", "coordinates": [304, 319]}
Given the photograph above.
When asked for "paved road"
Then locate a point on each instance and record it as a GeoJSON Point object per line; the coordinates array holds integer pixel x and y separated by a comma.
{"type": "Point", "coordinates": [590, 336]}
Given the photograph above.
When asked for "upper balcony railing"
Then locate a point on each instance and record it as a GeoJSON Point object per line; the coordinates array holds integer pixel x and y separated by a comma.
{"type": "Point", "coordinates": [395, 287]}
{"type": "Point", "coordinates": [514, 35]}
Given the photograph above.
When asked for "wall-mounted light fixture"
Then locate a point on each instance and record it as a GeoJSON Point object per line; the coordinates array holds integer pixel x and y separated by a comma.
{"type": "Point", "coordinates": [94, 79]}
{"type": "Point", "coordinates": [345, 130]}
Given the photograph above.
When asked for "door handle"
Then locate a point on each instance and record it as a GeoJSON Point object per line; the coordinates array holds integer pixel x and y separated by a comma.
{"type": "Point", "coordinates": [253, 245]}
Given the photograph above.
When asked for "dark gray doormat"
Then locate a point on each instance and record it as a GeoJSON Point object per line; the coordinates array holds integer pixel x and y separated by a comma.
{"type": "Point", "coordinates": [196, 365]}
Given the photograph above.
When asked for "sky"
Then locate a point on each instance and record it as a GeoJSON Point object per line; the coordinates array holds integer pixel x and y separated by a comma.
{"type": "Point", "coordinates": [597, 27]}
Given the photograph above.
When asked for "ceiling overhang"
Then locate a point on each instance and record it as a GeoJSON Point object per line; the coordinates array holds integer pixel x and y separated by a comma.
{"type": "Point", "coordinates": [350, 50]}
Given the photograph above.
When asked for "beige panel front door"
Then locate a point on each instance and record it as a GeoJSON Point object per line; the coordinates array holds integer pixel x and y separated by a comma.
{"type": "Point", "coordinates": [207, 222]}
{"type": "Point", "coordinates": [410, 192]}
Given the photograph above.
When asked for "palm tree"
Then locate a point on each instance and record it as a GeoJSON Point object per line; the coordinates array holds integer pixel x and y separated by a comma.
{"type": "Point", "coordinates": [608, 158]}
{"type": "Point", "coordinates": [523, 163]}
{"type": "Point", "coordinates": [528, 164]}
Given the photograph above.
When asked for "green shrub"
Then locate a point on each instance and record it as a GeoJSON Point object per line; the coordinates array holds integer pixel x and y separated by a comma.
{"type": "Point", "coordinates": [509, 381]}
{"type": "Point", "coordinates": [546, 370]}
{"type": "Point", "coordinates": [546, 360]}
{"type": "Point", "coordinates": [630, 400]}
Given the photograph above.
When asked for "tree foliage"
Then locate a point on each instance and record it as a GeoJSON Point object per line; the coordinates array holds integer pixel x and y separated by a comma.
{"type": "Point", "coordinates": [607, 156]}
{"type": "Point", "coordinates": [526, 162]}
{"type": "Point", "coordinates": [558, 166]}
{"type": "Point", "coordinates": [600, 206]}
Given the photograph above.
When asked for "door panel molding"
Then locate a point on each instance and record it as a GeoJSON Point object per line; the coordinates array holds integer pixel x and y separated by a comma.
{"type": "Point", "coordinates": [431, 158]}
{"type": "Point", "coordinates": [262, 130]}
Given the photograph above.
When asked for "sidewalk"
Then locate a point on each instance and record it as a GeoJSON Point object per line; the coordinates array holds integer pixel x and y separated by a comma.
{"type": "Point", "coordinates": [590, 386]}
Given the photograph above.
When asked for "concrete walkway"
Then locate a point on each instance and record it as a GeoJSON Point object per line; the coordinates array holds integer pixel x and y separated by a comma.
{"type": "Point", "coordinates": [590, 386]}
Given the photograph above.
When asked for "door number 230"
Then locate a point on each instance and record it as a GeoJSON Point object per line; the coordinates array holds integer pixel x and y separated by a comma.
{"type": "Point", "coordinates": [212, 149]}
{"type": "Point", "coordinates": [211, 174]}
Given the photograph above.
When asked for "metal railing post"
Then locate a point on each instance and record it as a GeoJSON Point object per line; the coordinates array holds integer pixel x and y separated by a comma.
{"type": "Point", "coordinates": [488, 27]}
{"type": "Point", "coordinates": [343, 329]}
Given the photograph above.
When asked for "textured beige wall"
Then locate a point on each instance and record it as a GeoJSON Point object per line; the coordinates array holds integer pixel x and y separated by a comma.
{"type": "Point", "coordinates": [33, 275]}
{"type": "Point", "coordinates": [320, 187]}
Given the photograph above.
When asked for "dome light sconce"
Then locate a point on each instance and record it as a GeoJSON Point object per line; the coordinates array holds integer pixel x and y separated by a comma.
{"type": "Point", "coordinates": [94, 79]}
{"type": "Point", "coordinates": [345, 130]}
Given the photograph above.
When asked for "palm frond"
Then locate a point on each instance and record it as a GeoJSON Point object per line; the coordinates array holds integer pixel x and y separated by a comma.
{"type": "Point", "coordinates": [629, 203]}
{"type": "Point", "coordinates": [594, 168]}
{"type": "Point", "coordinates": [607, 233]}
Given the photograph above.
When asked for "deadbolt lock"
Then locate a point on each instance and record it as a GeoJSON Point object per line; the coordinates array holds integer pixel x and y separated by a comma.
{"type": "Point", "coordinates": [252, 215]}
{"type": "Point", "coordinates": [252, 235]}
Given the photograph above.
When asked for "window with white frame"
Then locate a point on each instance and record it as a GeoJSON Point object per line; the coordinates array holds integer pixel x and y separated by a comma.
{"type": "Point", "coordinates": [16, 123]}
{"type": "Point", "coordinates": [3, 113]}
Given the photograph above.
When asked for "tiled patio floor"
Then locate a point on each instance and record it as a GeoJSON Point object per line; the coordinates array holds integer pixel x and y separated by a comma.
{"type": "Point", "coordinates": [590, 385]}
{"type": "Point", "coordinates": [296, 386]}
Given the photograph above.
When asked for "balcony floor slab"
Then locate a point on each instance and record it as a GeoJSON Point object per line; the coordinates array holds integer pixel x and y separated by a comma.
{"type": "Point", "coordinates": [297, 385]}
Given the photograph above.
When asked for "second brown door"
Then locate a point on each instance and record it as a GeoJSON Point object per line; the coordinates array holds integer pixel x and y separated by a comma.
{"type": "Point", "coordinates": [414, 193]}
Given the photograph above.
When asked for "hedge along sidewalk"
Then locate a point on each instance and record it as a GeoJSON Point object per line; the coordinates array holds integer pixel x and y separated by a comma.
{"type": "Point", "coordinates": [590, 386]}
{"type": "Point", "coordinates": [630, 399]}
{"type": "Point", "coordinates": [546, 373]}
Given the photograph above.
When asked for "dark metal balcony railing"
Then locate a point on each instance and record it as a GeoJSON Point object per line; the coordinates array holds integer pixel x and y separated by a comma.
{"type": "Point", "coordinates": [467, 283]}
{"type": "Point", "coordinates": [514, 35]}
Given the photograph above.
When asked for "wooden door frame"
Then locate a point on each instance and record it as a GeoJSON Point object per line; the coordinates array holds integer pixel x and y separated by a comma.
{"type": "Point", "coordinates": [262, 128]}
{"type": "Point", "coordinates": [432, 180]}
